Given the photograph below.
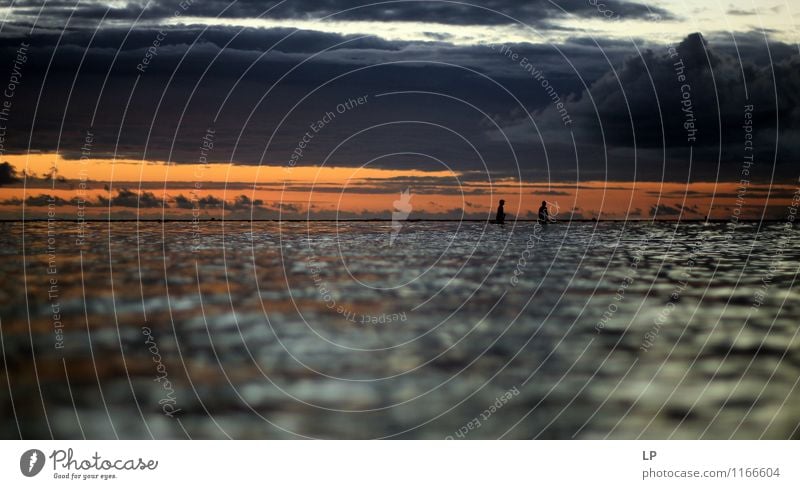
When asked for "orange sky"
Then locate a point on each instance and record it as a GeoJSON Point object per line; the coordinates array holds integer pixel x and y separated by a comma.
{"type": "Point", "coordinates": [363, 192]}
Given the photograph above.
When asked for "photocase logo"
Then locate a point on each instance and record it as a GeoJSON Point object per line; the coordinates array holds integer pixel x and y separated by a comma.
{"type": "Point", "coordinates": [31, 462]}
{"type": "Point", "coordinates": [402, 208]}
{"type": "Point", "coordinates": [553, 209]}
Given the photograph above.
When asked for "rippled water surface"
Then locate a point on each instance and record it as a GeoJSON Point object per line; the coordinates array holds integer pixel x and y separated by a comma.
{"type": "Point", "coordinates": [268, 330]}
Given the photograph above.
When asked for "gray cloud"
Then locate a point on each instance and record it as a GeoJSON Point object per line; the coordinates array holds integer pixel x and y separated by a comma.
{"type": "Point", "coordinates": [663, 210]}
{"type": "Point", "coordinates": [7, 174]}
{"type": "Point", "coordinates": [205, 202]}
{"type": "Point", "coordinates": [637, 115]}
{"type": "Point", "coordinates": [740, 12]}
{"type": "Point", "coordinates": [129, 198]}
{"type": "Point", "coordinates": [477, 12]}
{"type": "Point", "coordinates": [163, 117]}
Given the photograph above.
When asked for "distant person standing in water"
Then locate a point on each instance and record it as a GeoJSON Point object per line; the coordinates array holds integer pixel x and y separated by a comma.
{"type": "Point", "coordinates": [501, 213]}
{"type": "Point", "coordinates": [544, 216]}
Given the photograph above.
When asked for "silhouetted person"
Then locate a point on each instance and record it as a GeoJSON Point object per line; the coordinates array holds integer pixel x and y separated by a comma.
{"type": "Point", "coordinates": [544, 216]}
{"type": "Point", "coordinates": [501, 213]}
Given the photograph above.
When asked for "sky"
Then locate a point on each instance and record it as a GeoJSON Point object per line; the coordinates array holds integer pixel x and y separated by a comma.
{"type": "Point", "coordinates": [330, 109]}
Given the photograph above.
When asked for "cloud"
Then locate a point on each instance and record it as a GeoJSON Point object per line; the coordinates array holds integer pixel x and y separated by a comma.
{"type": "Point", "coordinates": [205, 202]}
{"type": "Point", "coordinates": [45, 200]}
{"type": "Point", "coordinates": [241, 202]}
{"type": "Point", "coordinates": [244, 202]}
{"type": "Point", "coordinates": [286, 207]}
{"type": "Point", "coordinates": [182, 202]}
{"type": "Point", "coordinates": [663, 210]}
{"type": "Point", "coordinates": [644, 117]}
{"type": "Point", "coordinates": [477, 12]}
{"type": "Point", "coordinates": [129, 198]}
{"type": "Point", "coordinates": [7, 174]}
{"type": "Point", "coordinates": [634, 95]}
{"type": "Point", "coordinates": [735, 11]}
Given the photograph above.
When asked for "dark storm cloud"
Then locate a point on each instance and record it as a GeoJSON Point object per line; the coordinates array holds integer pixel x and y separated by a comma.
{"type": "Point", "coordinates": [462, 13]}
{"type": "Point", "coordinates": [753, 47]}
{"type": "Point", "coordinates": [485, 12]}
{"type": "Point", "coordinates": [123, 39]}
{"type": "Point", "coordinates": [157, 114]}
{"type": "Point", "coordinates": [243, 73]}
{"type": "Point", "coordinates": [126, 48]}
{"type": "Point", "coordinates": [698, 97]}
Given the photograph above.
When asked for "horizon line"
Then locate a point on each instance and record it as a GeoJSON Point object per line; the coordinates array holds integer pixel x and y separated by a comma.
{"type": "Point", "coordinates": [387, 220]}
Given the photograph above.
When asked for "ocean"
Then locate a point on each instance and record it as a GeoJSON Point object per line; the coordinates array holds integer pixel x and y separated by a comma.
{"type": "Point", "coordinates": [433, 330]}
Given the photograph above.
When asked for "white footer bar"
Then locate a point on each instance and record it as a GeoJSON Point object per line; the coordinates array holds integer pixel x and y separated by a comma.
{"type": "Point", "coordinates": [400, 464]}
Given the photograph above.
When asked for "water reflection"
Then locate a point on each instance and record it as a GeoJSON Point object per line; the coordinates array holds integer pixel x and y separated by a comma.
{"type": "Point", "coordinates": [618, 330]}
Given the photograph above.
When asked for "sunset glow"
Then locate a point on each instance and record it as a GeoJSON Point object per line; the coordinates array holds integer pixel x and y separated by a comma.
{"type": "Point", "coordinates": [177, 191]}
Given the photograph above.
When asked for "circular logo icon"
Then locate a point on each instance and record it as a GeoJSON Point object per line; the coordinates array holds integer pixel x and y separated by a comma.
{"type": "Point", "coordinates": [31, 462]}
